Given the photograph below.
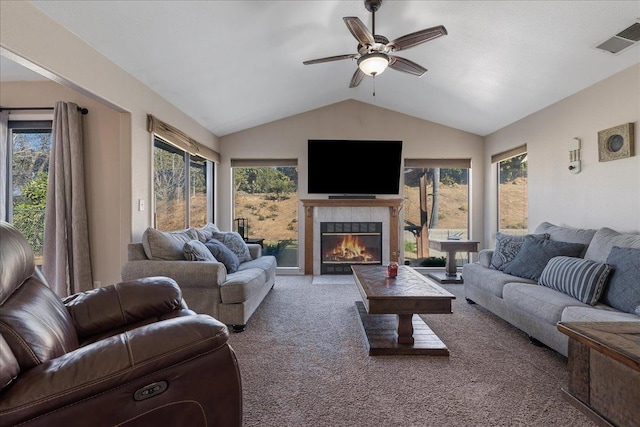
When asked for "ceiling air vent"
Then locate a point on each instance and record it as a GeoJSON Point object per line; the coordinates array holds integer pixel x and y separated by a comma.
{"type": "Point", "coordinates": [623, 40]}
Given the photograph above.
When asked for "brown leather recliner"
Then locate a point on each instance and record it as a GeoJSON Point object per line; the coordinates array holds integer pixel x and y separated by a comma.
{"type": "Point", "coordinates": [131, 354]}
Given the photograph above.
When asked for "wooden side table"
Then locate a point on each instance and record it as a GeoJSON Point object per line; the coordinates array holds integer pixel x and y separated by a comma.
{"type": "Point", "coordinates": [451, 274]}
{"type": "Point", "coordinates": [604, 371]}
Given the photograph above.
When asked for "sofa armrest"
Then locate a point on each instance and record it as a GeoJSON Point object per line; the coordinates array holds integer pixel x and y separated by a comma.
{"type": "Point", "coordinates": [188, 274]}
{"type": "Point", "coordinates": [135, 252]}
{"type": "Point", "coordinates": [110, 363]}
{"type": "Point", "coordinates": [484, 257]}
{"type": "Point", "coordinates": [255, 250]}
{"type": "Point", "coordinates": [99, 310]}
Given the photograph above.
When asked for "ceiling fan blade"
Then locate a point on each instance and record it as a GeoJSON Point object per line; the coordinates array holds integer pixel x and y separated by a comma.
{"type": "Point", "coordinates": [329, 58]}
{"type": "Point", "coordinates": [413, 39]}
{"type": "Point", "coordinates": [404, 65]}
{"type": "Point", "coordinates": [357, 78]}
{"type": "Point", "coordinates": [359, 30]}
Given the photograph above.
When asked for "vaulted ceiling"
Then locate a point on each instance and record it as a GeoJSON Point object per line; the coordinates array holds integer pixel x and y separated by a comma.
{"type": "Point", "coordinates": [232, 65]}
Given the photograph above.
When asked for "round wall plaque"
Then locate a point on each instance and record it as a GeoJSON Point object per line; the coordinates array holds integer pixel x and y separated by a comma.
{"type": "Point", "coordinates": [615, 143]}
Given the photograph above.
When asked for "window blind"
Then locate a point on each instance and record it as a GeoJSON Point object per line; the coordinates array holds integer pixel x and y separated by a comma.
{"type": "Point", "coordinates": [438, 163]}
{"type": "Point", "coordinates": [509, 153]}
{"type": "Point", "coordinates": [247, 163]}
{"type": "Point", "coordinates": [180, 139]}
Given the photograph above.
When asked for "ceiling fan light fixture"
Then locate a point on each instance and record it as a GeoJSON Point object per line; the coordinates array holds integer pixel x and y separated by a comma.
{"type": "Point", "coordinates": [373, 64]}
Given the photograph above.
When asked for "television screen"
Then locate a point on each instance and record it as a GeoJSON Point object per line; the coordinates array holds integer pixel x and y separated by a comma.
{"type": "Point", "coordinates": [354, 167]}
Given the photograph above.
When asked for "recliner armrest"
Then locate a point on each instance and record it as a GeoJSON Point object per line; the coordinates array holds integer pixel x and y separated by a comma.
{"type": "Point", "coordinates": [107, 364]}
{"type": "Point", "coordinates": [103, 309]}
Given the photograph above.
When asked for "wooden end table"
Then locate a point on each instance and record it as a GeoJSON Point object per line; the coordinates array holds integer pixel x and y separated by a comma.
{"type": "Point", "coordinates": [604, 371]}
{"type": "Point", "coordinates": [388, 306]}
{"type": "Point", "coordinates": [451, 274]}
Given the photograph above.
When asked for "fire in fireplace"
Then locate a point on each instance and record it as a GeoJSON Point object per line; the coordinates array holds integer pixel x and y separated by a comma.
{"type": "Point", "coordinates": [345, 243]}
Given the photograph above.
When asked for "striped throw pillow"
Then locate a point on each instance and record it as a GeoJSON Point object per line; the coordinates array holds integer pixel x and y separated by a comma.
{"type": "Point", "coordinates": [580, 278]}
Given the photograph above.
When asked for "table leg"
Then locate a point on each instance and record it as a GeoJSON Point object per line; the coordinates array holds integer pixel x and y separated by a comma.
{"type": "Point", "coordinates": [451, 267]}
{"type": "Point", "coordinates": [405, 328]}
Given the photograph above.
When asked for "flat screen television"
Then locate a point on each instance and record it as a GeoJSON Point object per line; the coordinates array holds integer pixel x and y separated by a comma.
{"type": "Point", "coordinates": [347, 167]}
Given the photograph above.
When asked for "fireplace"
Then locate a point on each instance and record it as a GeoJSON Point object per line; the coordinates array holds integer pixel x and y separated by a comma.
{"type": "Point", "coordinates": [343, 244]}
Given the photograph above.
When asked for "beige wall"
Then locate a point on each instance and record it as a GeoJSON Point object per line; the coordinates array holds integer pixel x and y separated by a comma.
{"type": "Point", "coordinates": [603, 193]}
{"type": "Point", "coordinates": [287, 138]}
{"type": "Point", "coordinates": [30, 37]}
{"type": "Point", "coordinates": [104, 156]}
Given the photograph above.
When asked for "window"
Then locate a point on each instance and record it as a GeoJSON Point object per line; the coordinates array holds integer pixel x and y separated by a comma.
{"type": "Point", "coordinates": [183, 173]}
{"type": "Point", "coordinates": [436, 205]}
{"type": "Point", "coordinates": [181, 193]}
{"type": "Point", "coordinates": [512, 191]}
{"type": "Point", "coordinates": [265, 193]}
{"type": "Point", "coordinates": [29, 145]}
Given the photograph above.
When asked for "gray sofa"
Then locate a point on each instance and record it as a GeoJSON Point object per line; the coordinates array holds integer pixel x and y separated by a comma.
{"type": "Point", "coordinates": [207, 286]}
{"type": "Point", "coordinates": [536, 309]}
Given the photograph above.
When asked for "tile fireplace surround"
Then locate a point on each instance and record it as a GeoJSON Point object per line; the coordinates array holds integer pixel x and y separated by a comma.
{"type": "Point", "coordinates": [351, 210]}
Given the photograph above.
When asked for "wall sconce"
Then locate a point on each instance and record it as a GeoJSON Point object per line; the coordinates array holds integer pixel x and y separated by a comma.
{"type": "Point", "coordinates": [574, 155]}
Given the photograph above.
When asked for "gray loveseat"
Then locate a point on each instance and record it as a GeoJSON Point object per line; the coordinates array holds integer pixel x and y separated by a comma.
{"type": "Point", "coordinates": [536, 309]}
{"type": "Point", "coordinates": [207, 286]}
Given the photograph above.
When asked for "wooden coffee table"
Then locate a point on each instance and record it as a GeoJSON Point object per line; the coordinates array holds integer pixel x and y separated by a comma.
{"type": "Point", "coordinates": [388, 306]}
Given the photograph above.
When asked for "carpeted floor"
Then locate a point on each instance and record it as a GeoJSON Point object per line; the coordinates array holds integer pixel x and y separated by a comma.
{"type": "Point", "coordinates": [304, 362]}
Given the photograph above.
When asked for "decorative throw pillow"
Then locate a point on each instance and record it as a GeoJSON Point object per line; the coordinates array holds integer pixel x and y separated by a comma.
{"type": "Point", "coordinates": [534, 255]}
{"type": "Point", "coordinates": [580, 278]}
{"type": "Point", "coordinates": [236, 243]}
{"type": "Point", "coordinates": [224, 255]}
{"type": "Point", "coordinates": [568, 234]}
{"type": "Point", "coordinates": [195, 250]}
{"type": "Point", "coordinates": [623, 290]}
{"type": "Point", "coordinates": [605, 239]}
{"type": "Point", "coordinates": [166, 245]}
{"type": "Point", "coordinates": [206, 233]}
{"type": "Point", "coordinates": [507, 247]}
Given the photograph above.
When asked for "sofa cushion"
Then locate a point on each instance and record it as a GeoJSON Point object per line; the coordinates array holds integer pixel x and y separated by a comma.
{"type": "Point", "coordinates": [206, 233]}
{"type": "Point", "coordinates": [567, 234]}
{"type": "Point", "coordinates": [166, 245]}
{"type": "Point", "coordinates": [195, 250]}
{"type": "Point", "coordinates": [507, 247]}
{"type": "Point", "coordinates": [597, 313]}
{"type": "Point", "coordinates": [623, 290]}
{"type": "Point", "coordinates": [242, 285]}
{"type": "Point", "coordinates": [235, 243]}
{"type": "Point", "coordinates": [605, 239]}
{"type": "Point", "coordinates": [580, 278]}
{"type": "Point", "coordinates": [534, 255]}
{"type": "Point", "coordinates": [224, 255]}
{"type": "Point", "coordinates": [267, 263]}
{"type": "Point", "coordinates": [541, 302]}
{"type": "Point", "coordinates": [489, 280]}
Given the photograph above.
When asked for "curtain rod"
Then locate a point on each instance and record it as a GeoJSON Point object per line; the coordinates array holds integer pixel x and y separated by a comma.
{"type": "Point", "coordinates": [81, 109]}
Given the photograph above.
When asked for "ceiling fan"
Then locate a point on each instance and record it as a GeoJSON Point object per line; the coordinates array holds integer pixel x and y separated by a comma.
{"type": "Point", "coordinates": [375, 52]}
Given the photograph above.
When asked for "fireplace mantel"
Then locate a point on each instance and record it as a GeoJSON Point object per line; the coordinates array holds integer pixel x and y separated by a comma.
{"type": "Point", "coordinates": [310, 206]}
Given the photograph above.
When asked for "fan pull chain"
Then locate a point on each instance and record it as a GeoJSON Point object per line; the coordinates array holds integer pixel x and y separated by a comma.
{"type": "Point", "coordinates": [374, 85]}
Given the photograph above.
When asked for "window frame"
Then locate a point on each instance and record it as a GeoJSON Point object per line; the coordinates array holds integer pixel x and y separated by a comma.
{"type": "Point", "coordinates": [269, 163]}
{"type": "Point", "coordinates": [160, 143]}
{"type": "Point", "coordinates": [497, 159]}
{"type": "Point", "coordinates": [431, 163]}
{"type": "Point", "coordinates": [19, 124]}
